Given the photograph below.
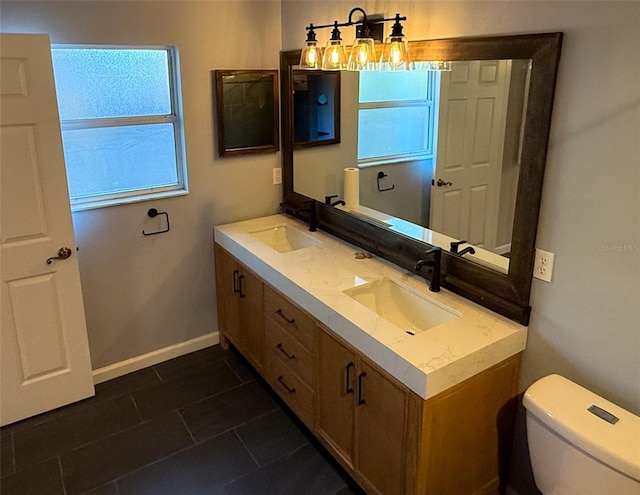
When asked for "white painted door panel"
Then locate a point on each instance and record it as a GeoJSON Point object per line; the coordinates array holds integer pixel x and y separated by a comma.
{"type": "Point", "coordinates": [45, 360]}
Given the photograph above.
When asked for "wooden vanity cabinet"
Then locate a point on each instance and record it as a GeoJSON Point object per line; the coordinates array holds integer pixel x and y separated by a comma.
{"type": "Point", "coordinates": [362, 416]}
{"type": "Point", "coordinates": [390, 440]}
{"type": "Point", "coordinates": [240, 307]}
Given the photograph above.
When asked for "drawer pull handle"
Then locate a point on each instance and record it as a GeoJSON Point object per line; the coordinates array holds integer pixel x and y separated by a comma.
{"type": "Point", "coordinates": [281, 349]}
{"type": "Point", "coordinates": [288, 320]}
{"type": "Point", "coordinates": [348, 387]}
{"type": "Point", "coordinates": [361, 401]}
{"type": "Point", "coordinates": [290, 390]}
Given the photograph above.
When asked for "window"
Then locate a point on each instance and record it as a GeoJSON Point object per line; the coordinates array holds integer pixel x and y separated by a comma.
{"type": "Point", "coordinates": [121, 123]}
{"type": "Point", "coordinates": [399, 108]}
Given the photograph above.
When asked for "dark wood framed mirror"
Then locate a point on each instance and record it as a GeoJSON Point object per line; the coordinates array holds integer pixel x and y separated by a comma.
{"type": "Point", "coordinates": [506, 292]}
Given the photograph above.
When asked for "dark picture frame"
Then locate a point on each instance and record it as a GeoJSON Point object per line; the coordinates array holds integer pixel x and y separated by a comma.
{"type": "Point", "coordinates": [247, 111]}
{"type": "Point", "coordinates": [316, 108]}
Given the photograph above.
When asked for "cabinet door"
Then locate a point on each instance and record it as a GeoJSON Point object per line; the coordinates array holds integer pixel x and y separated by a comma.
{"type": "Point", "coordinates": [380, 430]}
{"type": "Point", "coordinates": [227, 277]}
{"type": "Point", "coordinates": [336, 395]}
{"type": "Point", "coordinates": [251, 315]}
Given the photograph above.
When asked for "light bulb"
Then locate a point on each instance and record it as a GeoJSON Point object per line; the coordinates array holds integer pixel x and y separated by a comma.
{"type": "Point", "coordinates": [362, 54]}
{"type": "Point", "coordinates": [312, 56]}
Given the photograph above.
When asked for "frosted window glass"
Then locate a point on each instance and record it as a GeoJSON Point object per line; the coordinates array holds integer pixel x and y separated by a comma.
{"type": "Point", "coordinates": [107, 83]}
{"type": "Point", "coordinates": [114, 159]}
{"type": "Point", "coordinates": [399, 130]}
{"type": "Point", "coordinates": [393, 86]}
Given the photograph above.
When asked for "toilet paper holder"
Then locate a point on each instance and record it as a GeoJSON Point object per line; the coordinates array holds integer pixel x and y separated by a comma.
{"type": "Point", "coordinates": [382, 175]}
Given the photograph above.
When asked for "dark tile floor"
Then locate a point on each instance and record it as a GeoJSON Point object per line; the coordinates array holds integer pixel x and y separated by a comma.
{"type": "Point", "coordinates": [198, 424]}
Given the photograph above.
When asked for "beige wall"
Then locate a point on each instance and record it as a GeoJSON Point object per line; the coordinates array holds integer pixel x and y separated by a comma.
{"type": "Point", "coordinates": [586, 323]}
{"type": "Point", "coordinates": [145, 293]}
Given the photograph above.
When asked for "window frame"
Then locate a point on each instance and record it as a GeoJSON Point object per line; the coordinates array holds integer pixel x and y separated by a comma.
{"type": "Point", "coordinates": [430, 102]}
{"type": "Point", "coordinates": [175, 118]}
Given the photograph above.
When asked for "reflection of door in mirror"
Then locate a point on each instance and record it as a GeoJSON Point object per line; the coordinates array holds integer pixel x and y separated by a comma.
{"type": "Point", "coordinates": [464, 201]}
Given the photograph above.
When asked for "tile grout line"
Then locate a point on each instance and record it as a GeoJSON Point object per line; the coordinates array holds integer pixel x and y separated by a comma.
{"type": "Point", "coordinates": [64, 485]}
{"type": "Point", "coordinates": [246, 448]}
{"type": "Point", "coordinates": [184, 423]}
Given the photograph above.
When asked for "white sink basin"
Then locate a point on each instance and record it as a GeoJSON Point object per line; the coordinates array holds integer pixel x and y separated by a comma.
{"type": "Point", "coordinates": [402, 306]}
{"type": "Point", "coordinates": [284, 238]}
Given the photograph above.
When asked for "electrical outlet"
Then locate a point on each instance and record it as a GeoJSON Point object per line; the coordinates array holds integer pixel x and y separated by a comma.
{"type": "Point", "coordinates": [543, 265]}
{"type": "Point", "coordinates": [277, 176]}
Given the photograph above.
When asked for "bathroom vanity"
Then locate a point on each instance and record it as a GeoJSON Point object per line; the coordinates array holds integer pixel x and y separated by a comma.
{"type": "Point", "coordinates": [411, 391]}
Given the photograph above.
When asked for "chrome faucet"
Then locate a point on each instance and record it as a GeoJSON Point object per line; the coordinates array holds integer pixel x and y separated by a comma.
{"type": "Point", "coordinates": [455, 245]}
{"type": "Point", "coordinates": [435, 263]}
{"type": "Point", "coordinates": [313, 215]}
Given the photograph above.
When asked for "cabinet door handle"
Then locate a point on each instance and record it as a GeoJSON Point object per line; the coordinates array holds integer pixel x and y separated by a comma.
{"type": "Point", "coordinates": [289, 389]}
{"type": "Point", "coordinates": [348, 388]}
{"type": "Point", "coordinates": [240, 279]}
{"type": "Point", "coordinates": [281, 349]}
{"type": "Point", "coordinates": [288, 320]}
{"type": "Point", "coordinates": [360, 399]}
{"type": "Point", "coordinates": [235, 281]}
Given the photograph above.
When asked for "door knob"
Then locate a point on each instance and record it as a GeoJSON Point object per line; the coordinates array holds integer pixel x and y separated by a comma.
{"type": "Point", "coordinates": [63, 254]}
{"type": "Point", "coordinates": [441, 183]}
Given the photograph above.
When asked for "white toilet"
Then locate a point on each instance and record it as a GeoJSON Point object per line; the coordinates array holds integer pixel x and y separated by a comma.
{"type": "Point", "coordinates": [580, 443]}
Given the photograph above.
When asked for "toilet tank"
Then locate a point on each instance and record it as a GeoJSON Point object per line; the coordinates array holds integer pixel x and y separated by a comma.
{"type": "Point", "coordinates": [579, 442]}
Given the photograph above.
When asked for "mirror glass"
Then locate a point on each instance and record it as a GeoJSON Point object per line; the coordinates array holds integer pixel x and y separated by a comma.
{"type": "Point", "coordinates": [431, 155]}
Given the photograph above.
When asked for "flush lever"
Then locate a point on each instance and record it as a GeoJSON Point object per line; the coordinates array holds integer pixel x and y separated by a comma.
{"type": "Point", "coordinates": [63, 254]}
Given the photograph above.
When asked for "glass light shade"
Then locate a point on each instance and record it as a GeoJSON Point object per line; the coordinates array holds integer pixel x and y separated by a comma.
{"type": "Point", "coordinates": [311, 56]}
{"type": "Point", "coordinates": [335, 56]}
{"type": "Point", "coordinates": [395, 55]}
{"type": "Point", "coordinates": [363, 54]}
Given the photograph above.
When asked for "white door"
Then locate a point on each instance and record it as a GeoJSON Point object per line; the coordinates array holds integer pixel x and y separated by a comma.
{"type": "Point", "coordinates": [466, 192]}
{"type": "Point", "coordinates": [44, 353]}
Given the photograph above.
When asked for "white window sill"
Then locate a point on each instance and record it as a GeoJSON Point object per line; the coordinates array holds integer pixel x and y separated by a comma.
{"type": "Point", "coordinates": [126, 200]}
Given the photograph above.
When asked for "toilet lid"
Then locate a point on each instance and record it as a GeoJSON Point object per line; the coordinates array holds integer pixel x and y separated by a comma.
{"type": "Point", "coordinates": [607, 432]}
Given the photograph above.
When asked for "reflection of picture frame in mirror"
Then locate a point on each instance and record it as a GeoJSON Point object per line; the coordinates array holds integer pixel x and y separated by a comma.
{"type": "Point", "coordinates": [247, 111]}
{"type": "Point", "coordinates": [316, 108]}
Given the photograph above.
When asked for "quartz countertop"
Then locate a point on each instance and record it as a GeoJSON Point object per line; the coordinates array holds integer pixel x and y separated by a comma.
{"type": "Point", "coordinates": [315, 277]}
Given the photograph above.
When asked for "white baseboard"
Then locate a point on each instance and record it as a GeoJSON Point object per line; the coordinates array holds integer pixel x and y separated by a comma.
{"type": "Point", "coordinates": [137, 363]}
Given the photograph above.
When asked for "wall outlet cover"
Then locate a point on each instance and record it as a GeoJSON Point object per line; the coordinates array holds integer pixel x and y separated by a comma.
{"type": "Point", "coordinates": [543, 265]}
{"type": "Point", "coordinates": [277, 176]}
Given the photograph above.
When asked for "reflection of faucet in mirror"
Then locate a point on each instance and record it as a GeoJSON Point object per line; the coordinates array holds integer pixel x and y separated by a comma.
{"type": "Point", "coordinates": [434, 286]}
{"type": "Point", "coordinates": [327, 201]}
{"type": "Point", "coordinates": [455, 245]}
{"type": "Point", "coordinates": [313, 217]}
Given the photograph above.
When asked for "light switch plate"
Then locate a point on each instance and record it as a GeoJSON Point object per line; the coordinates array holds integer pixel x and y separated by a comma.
{"type": "Point", "coordinates": [543, 265]}
{"type": "Point", "coordinates": [277, 176]}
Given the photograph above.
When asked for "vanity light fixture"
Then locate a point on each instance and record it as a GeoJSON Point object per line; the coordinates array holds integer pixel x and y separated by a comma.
{"type": "Point", "coordinates": [363, 50]}
{"type": "Point", "coordinates": [395, 52]}
{"type": "Point", "coordinates": [311, 56]}
{"type": "Point", "coordinates": [335, 53]}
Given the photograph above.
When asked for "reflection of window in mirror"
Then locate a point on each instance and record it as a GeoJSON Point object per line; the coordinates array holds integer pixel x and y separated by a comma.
{"type": "Point", "coordinates": [396, 117]}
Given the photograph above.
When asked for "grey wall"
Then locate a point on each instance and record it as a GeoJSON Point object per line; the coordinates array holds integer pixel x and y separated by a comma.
{"type": "Point", "coordinates": [586, 323]}
{"type": "Point", "coordinates": [145, 293]}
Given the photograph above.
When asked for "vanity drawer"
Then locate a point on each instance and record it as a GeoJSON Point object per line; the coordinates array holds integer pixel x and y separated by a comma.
{"type": "Point", "coordinates": [289, 317]}
{"type": "Point", "coordinates": [292, 389]}
{"type": "Point", "coordinates": [288, 350]}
